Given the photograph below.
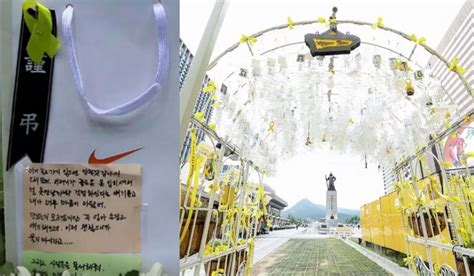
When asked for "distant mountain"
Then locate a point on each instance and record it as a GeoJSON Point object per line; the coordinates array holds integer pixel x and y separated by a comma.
{"type": "Point", "coordinates": [308, 210]}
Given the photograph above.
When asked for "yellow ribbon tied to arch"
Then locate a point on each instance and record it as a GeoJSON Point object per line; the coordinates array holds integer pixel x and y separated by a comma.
{"type": "Point", "coordinates": [454, 66]}
{"type": "Point", "coordinates": [417, 40]}
{"type": "Point", "coordinates": [291, 24]}
{"type": "Point", "coordinates": [378, 24]}
{"type": "Point", "coordinates": [247, 39]}
{"type": "Point", "coordinates": [42, 39]}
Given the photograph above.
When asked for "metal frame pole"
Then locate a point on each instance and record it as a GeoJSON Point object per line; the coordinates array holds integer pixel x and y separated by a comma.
{"type": "Point", "coordinates": [420, 212]}
{"type": "Point", "coordinates": [193, 82]}
{"type": "Point", "coordinates": [210, 209]}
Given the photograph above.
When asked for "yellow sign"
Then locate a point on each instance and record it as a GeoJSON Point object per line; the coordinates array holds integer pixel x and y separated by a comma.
{"type": "Point", "coordinates": [330, 43]}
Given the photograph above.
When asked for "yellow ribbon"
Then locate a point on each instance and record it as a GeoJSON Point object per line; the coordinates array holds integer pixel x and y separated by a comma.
{"type": "Point", "coordinates": [193, 196]}
{"type": "Point", "coordinates": [446, 164]}
{"type": "Point", "coordinates": [410, 260]}
{"type": "Point", "coordinates": [417, 40]}
{"type": "Point", "coordinates": [454, 66]}
{"type": "Point", "coordinates": [193, 175]}
{"type": "Point", "coordinates": [247, 39]}
{"type": "Point", "coordinates": [291, 24]}
{"type": "Point", "coordinates": [321, 19]}
{"type": "Point", "coordinates": [216, 104]}
{"type": "Point", "coordinates": [192, 162]}
{"type": "Point", "coordinates": [41, 40]}
{"type": "Point", "coordinates": [271, 126]}
{"type": "Point", "coordinates": [402, 66]}
{"type": "Point", "coordinates": [248, 267]}
{"type": "Point", "coordinates": [378, 24]}
{"type": "Point", "coordinates": [212, 126]}
{"type": "Point", "coordinates": [217, 272]}
{"type": "Point", "coordinates": [213, 187]}
{"type": "Point", "coordinates": [200, 116]}
{"type": "Point", "coordinates": [211, 87]}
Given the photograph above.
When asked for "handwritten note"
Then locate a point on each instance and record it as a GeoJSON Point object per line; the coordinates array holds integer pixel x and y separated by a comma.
{"type": "Point", "coordinates": [52, 264]}
{"type": "Point", "coordinates": [82, 208]}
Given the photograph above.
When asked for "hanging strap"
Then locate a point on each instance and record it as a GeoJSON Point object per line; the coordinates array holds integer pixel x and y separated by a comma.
{"type": "Point", "coordinates": [161, 72]}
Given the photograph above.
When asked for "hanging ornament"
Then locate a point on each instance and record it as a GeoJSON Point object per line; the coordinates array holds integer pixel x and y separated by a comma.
{"type": "Point", "coordinates": [271, 65]}
{"type": "Point", "coordinates": [308, 138]}
{"type": "Point", "coordinates": [282, 62]}
{"type": "Point", "coordinates": [320, 60]}
{"type": "Point", "coordinates": [271, 62]}
{"type": "Point", "coordinates": [409, 89]}
{"type": "Point", "coordinates": [377, 61]}
{"type": "Point", "coordinates": [429, 103]}
{"type": "Point", "coordinates": [402, 65]}
{"type": "Point", "coordinates": [331, 65]}
{"type": "Point", "coordinates": [329, 94]}
{"type": "Point", "coordinates": [223, 89]}
{"type": "Point", "coordinates": [418, 75]}
{"type": "Point", "coordinates": [209, 169]}
{"type": "Point", "coordinates": [256, 69]}
{"type": "Point", "coordinates": [243, 73]}
{"type": "Point", "coordinates": [309, 58]}
{"type": "Point", "coordinates": [392, 63]}
{"type": "Point", "coordinates": [271, 126]}
{"type": "Point", "coordinates": [300, 58]}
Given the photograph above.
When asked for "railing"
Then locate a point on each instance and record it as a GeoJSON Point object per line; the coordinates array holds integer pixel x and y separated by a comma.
{"type": "Point", "coordinates": [220, 212]}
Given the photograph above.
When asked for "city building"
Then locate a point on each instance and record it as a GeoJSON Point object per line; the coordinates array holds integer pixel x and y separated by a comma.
{"type": "Point", "coordinates": [389, 179]}
{"type": "Point", "coordinates": [274, 208]}
{"type": "Point", "coordinates": [458, 42]}
{"type": "Point", "coordinates": [203, 102]}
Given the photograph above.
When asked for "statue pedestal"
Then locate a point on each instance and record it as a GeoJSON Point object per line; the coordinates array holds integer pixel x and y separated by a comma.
{"type": "Point", "coordinates": [331, 208]}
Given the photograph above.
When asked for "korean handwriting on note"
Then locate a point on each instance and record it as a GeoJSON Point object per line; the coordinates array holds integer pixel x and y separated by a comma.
{"type": "Point", "coordinates": [82, 208]}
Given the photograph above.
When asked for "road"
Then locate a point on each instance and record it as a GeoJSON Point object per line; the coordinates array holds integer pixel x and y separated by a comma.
{"type": "Point", "coordinates": [267, 243]}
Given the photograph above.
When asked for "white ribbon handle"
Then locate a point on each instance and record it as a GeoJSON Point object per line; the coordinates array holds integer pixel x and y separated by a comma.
{"type": "Point", "coordinates": [161, 72]}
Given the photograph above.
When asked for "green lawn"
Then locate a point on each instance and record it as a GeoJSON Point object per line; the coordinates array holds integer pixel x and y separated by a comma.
{"type": "Point", "coordinates": [326, 256]}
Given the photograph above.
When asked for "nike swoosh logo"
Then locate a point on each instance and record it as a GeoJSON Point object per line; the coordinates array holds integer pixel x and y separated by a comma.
{"type": "Point", "coordinates": [94, 160]}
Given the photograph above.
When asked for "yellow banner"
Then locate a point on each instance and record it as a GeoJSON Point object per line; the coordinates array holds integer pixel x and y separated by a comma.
{"type": "Point", "coordinates": [330, 43]}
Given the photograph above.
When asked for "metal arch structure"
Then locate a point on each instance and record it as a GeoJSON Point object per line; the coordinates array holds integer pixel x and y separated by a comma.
{"type": "Point", "coordinates": [354, 22]}
{"type": "Point", "coordinates": [438, 136]}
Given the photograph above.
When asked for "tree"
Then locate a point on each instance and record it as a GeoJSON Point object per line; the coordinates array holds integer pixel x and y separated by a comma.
{"type": "Point", "coordinates": [353, 220]}
{"type": "Point", "coordinates": [296, 220]}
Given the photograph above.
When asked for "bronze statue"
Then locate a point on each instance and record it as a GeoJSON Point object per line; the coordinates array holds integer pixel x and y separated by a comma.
{"type": "Point", "coordinates": [330, 182]}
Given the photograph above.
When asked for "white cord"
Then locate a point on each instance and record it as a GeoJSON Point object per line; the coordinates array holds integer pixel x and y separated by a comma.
{"type": "Point", "coordinates": [161, 72]}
